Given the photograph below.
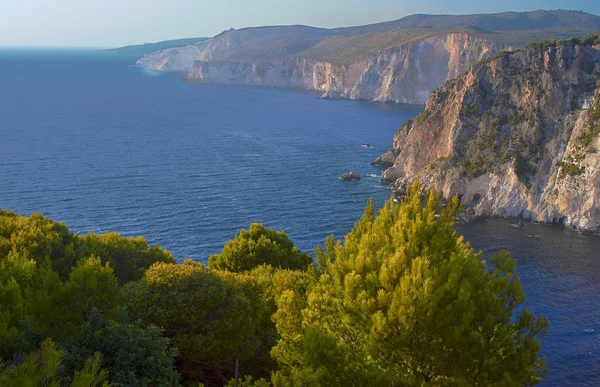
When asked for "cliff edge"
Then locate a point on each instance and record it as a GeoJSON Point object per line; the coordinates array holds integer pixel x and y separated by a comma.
{"type": "Point", "coordinates": [397, 61]}
{"type": "Point", "coordinates": [517, 135]}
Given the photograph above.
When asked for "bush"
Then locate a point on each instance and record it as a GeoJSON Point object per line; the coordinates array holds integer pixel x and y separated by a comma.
{"type": "Point", "coordinates": [259, 246]}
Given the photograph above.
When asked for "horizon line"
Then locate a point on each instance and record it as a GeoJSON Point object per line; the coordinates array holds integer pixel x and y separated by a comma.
{"type": "Point", "coordinates": [27, 46]}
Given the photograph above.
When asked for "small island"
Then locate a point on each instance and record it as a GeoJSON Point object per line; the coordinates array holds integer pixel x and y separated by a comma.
{"type": "Point", "coordinates": [350, 176]}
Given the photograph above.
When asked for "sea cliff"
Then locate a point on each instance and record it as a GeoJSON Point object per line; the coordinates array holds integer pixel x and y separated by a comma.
{"type": "Point", "coordinates": [406, 74]}
{"type": "Point", "coordinates": [397, 61]}
{"type": "Point", "coordinates": [515, 136]}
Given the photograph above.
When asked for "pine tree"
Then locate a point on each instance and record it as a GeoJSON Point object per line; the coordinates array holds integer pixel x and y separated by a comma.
{"type": "Point", "coordinates": [405, 295]}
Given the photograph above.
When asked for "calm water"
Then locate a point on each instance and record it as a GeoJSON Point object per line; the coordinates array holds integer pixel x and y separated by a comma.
{"type": "Point", "coordinates": [87, 139]}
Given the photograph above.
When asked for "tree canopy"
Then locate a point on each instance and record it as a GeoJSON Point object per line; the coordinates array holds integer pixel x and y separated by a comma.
{"type": "Point", "coordinates": [257, 246]}
{"type": "Point", "coordinates": [402, 300]}
{"type": "Point", "coordinates": [212, 318]}
{"type": "Point", "coordinates": [406, 297]}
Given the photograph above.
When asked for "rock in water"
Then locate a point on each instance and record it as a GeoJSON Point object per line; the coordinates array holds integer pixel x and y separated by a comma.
{"type": "Point", "coordinates": [386, 160]}
{"type": "Point", "coordinates": [350, 176]}
{"type": "Point", "coordinates": [367, 145]}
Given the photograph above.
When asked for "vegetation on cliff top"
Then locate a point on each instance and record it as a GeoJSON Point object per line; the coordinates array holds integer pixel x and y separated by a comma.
{"type": "Point", "coordinates": [372, 310]}
{"type": "Point", "coordinates": [589, 40]}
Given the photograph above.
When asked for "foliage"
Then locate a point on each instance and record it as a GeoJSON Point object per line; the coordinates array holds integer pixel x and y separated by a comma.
{"type": "Point", "coordinates": [249, 382]}
{"type": "Point", "coordinates": [589, 40]}
{"type": "Point", "coordinates": [91, 375]}
{"type": "Point", "coordinates": [568, 168]}
{"type": "Point", "coordinates": [90, 285]}
{"type": "Point", "coordinates": [211, 318]}
{"type": "Point", "coordinates": [404, 295]}
{"type": "Point", "coordinates": [43, 367]}
{"type": "Point", "coordinates": [499, 56]}
{"type": "Point", "coordinates": [129, 257]}
{"type": "Point", "coordinates": [468, 110]}
{"type": "Point", "coordinates": [403, 301]}
{"type": "Point", "coordinates": [422, 117]}
{"type": "Point", "coordinates": [258, 246]}
{"type": "Point", "coordinates": [134, 355]}
{"type": "Point", "coordinates": [52, 246]}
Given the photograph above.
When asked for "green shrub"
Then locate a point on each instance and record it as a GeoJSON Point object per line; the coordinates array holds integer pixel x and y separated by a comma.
{"type": "Point", "coordinates": [570, 169]}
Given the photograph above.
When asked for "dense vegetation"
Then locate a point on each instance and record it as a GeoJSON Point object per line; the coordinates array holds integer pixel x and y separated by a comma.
{"type": "Point", "coordinates": [402, 301]}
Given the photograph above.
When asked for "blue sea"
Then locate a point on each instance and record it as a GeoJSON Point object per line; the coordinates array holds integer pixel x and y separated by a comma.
{"type": "Point", "coordinates": [88, 139]}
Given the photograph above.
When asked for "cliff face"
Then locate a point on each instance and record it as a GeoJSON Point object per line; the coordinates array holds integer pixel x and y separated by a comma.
{"type": "Point", "coordinates": [518, 136]}
{"type": "Point", "coordinates": [397, 61]}
{"type": "Point", "coordinates": [176, 59]}
{"type": "Point", "coordinates": [407, 73]}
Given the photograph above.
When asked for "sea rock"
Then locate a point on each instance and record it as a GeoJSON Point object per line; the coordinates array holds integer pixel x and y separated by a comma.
{"type": "Point", "coordinates": [350, 176]}
{"type": "Point", "coordinates": [386, 160]}
{"type": "Point", "coordinates": [516, 136]}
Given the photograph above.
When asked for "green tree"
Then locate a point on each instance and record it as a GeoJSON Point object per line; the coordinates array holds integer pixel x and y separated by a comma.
{"type": "Point", "coordinates": [52, 246]}
{"type": "Point", "coordinates": [34, 238]}
{"type": "Point", "coordinates": [211, 318]}
{"type": "Point", "coordinates": [90, 285]}
{"type": "Point", "coordinates": [92, 375]}
{"type": "Point", "coordinates": [26, 293]}
{"type": "Point", "coordinates": [248, 382]}
{"type": "Point", "coordinates": [135, 356]}
{"type": "Point", "coordinates": [405, 295]}
{"type": "Point", "coordinates": [258, 246]}
{"type": "Point", "coordinates": [129, 257]}
{"type": "Point", "coordinates": [43, 368]}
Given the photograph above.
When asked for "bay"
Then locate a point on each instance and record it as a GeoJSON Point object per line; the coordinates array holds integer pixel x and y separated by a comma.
{"type": "Point", "coordinates": [87, 139]}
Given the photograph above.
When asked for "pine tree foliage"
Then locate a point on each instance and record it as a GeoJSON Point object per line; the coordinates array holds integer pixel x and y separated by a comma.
{"type": "Point", "coordinates": [211, 317]}
{"type": "Point", "coordinates": [43, 368]}
{"type": "Point", "coordinates": [405, 295]}
{"type": "Point", "coordinates": [258, 246]}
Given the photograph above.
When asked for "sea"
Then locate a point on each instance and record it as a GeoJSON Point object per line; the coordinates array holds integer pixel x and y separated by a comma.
{"type": "Point", "coordinates": [89, 139]}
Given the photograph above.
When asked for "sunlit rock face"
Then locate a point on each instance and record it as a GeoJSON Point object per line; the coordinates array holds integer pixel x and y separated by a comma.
{"type": "Point", "coordinates": [405, 74]}
{"type": "Point", "coordinates": [177, 59]}
{"type": "Point", "coordinates": [515, 137]}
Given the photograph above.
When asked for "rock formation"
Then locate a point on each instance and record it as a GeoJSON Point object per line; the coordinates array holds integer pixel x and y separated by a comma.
{"type": "Point", "coordinates": [405, 74]}
{"type": "Point", "coordinates": [350, 176]}
{"type": "Point", "coordinates": [386, 160]}
{"type": "Point", "coordinates": [517, 135]}
{"type": "Point", "coordinates": [176, 59]}
{"type": "Point", "coordinates": [398, 61]}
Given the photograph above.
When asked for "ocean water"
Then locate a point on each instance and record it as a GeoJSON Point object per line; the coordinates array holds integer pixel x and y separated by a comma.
{"type": "Point", "coordinates": [88, 139]}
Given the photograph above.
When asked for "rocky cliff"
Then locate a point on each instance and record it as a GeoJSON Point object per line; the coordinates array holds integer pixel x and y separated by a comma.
{"type": "Point", "coordinates": [407, 73]}
{"type": "Point", "coordinates": [516, 136]}
{"type": "Point", "coordinates": [174, 59]}
{"type": "Point", "coordinates": [398, 61]}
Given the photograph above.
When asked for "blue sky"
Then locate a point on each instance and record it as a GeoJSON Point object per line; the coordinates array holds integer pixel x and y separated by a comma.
{"type": "Point", "coordinates": [110, 23]}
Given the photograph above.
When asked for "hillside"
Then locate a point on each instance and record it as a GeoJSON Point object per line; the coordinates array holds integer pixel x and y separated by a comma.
{"type": "Point", "coordinates": [146, 48]}
{"type": "Point", "coordinates": [397, 61]}
{"type": "Point", "coordinates": [517, 135]}
{"type": "Point", "coordinates": [506, 21]}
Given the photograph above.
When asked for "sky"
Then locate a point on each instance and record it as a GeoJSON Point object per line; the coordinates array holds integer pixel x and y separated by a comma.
{"type": "Point", "coordinates": [113, 23]}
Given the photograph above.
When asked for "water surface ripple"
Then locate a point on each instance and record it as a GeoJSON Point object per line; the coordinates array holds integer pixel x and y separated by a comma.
{"type": "Point", "coordinates": [86, 139]}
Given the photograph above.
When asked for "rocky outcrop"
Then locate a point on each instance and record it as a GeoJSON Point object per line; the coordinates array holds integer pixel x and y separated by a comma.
{"type": "Point", "coordinates": [386, 160]}
{"type": "Point", "coordinates": [350, 176]}
{"type": "Point", "coordinates": [176, 59]}
{"type": "Point", "coordinates": [515, 136]}
{"type": "Point", "coordinates": [406, 73]}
